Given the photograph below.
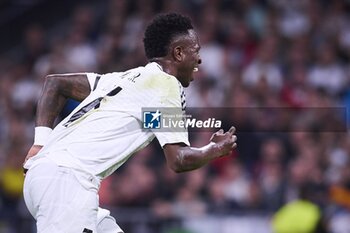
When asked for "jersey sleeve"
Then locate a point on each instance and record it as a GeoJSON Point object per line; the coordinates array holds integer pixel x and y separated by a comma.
{"type": "Point", "coordinates": [99, 81]}
{"type": "Point", "coordinates": [170, 105]}
{"type": "Point", "coordinates": [93, 79]}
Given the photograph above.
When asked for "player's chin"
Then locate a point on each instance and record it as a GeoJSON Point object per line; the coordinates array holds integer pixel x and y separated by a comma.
{"type": "Point", "coordinates": [187, 83]}
{"type": "Point", "coordinates": [186, 79]}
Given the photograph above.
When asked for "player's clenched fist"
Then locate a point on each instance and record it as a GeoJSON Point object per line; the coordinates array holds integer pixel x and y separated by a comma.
{"type": "Point", "coordinates": [225, 142]}
{"type": "Point", "coordinates": [32, 151]}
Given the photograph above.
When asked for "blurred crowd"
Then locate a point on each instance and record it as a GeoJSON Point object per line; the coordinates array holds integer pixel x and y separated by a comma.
{"type": "Point", "coordinates": [271, 54]}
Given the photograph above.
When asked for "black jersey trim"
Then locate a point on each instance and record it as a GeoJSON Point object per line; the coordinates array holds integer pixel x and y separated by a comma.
{"type": "Point", "coordinates": [96, 82]}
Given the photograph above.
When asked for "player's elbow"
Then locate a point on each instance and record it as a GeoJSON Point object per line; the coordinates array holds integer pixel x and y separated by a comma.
{"type": "Point", "coordinates": [177, 169]}
{"type": "Point", "coordinates": [177, 159]}
{"type": "Point", "coordinates": [176, 166]}
{"type": "Point", "coordinates": [179, 165]}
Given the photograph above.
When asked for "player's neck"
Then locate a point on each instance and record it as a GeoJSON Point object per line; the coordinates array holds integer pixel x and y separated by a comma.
{"type": "Point", "coordinates": [166, 65]}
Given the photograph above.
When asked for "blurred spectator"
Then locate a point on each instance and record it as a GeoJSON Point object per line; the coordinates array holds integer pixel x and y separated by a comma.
{"type": "Point", "coordinates": [217, 201]}
{"type": "Point", "coordinates": [11, 186]}
{"type": "Point", "coordinates": [138, 182]}
{"type": "Point", "coordinates": [78, 49]}
{"type": "Point", "coordinates": [295, 91]}
{"type": "Point", "coordinates": [327, 73]}
{"type": "Point", "coordinates": [293, 20]}
{"type": "Point", "coordinates": [263, 75]}
{"type": "Point", "coordinates": [34, 45]}
{"type": "Point", "coordinates": [237, 185]}
{"type": "Point", "coordinates": [270, 175]}
{"type": "Point", "coordinates": [187, 204]}
{"type": "Point", "coordinates": [301, 215]}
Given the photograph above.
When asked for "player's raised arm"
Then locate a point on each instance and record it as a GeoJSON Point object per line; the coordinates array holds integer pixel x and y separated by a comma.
{"type": "Point", "coordinates": [181, 158]}
{"type": "Point", "coordinates": [57, 89]}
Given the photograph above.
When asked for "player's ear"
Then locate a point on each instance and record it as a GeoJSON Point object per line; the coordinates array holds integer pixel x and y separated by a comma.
{"type": "Point", "coordinates": [178, 53]}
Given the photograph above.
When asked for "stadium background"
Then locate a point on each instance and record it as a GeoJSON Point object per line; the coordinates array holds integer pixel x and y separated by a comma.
{"type": "Point", "coordinates": [264, 54]}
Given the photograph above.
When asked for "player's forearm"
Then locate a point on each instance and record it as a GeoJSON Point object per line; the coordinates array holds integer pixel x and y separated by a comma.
{"type": "Point", "coordinates": [181, 158]}
{"type": "Point", "coordinates": [191, 158]}
{"type": "Point", "coordinates": [57, 89]}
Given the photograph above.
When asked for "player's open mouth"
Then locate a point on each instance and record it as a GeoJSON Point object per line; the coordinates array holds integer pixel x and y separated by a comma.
{"type": "Point", "coordinates": [195, 69]}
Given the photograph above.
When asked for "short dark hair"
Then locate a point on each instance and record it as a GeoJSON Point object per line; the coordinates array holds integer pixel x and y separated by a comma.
{"type": "Point", "coordinates": [162, 30]}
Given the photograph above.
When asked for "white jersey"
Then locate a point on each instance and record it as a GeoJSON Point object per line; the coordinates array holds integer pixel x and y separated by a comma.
{"type": "Point", "coordinates": [106, 128]}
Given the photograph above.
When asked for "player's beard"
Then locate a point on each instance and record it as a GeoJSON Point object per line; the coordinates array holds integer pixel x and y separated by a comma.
{"type": "Point", "coordinates": [185, 76]}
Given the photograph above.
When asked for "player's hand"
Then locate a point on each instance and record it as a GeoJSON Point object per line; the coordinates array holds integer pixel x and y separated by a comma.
{"type": "Point", "coordinates": [225, 142]}
{"type": "Point", "coordinates": [32, 152]}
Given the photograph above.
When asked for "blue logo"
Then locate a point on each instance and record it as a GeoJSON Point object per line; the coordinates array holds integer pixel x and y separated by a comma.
{"type": "Point", "coordinates": [152, 119]}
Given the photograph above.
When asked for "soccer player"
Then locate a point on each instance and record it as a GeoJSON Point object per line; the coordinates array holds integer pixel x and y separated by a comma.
{"type": "Point", "coordinates": [66, 165]}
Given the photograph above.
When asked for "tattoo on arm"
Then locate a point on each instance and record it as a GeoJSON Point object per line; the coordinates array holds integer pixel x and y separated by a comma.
{"type": "Point", "coordinates": [57, 89]}
{"type": "Point", "coordinates": [182, 158]}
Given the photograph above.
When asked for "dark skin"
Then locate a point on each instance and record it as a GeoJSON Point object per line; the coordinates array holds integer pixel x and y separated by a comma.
{"type": "Point", "coordinates": [57, 89]}
{"type": "Point", "coordinates": [182, 59]}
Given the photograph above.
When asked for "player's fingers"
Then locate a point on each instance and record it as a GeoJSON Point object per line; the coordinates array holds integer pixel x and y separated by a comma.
{"type": "Point", "coordinates": [212, 137]}
{"type": "Point", "coordinates": [217, 133]}
{"type": "Point", "coordinates": [234, 138]}
{"type": "Point", "coordinates": [234, 145]}
{"type": "Point", "coordinates": [221, 131]}
{"type": "Point", "coordinates": [232, 130]}
{"type": "Point", "coordinates": [28, 157]}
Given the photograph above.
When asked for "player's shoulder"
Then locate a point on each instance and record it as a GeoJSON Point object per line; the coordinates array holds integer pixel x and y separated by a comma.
{"type": "Point", "coordinates": [158, 78]}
